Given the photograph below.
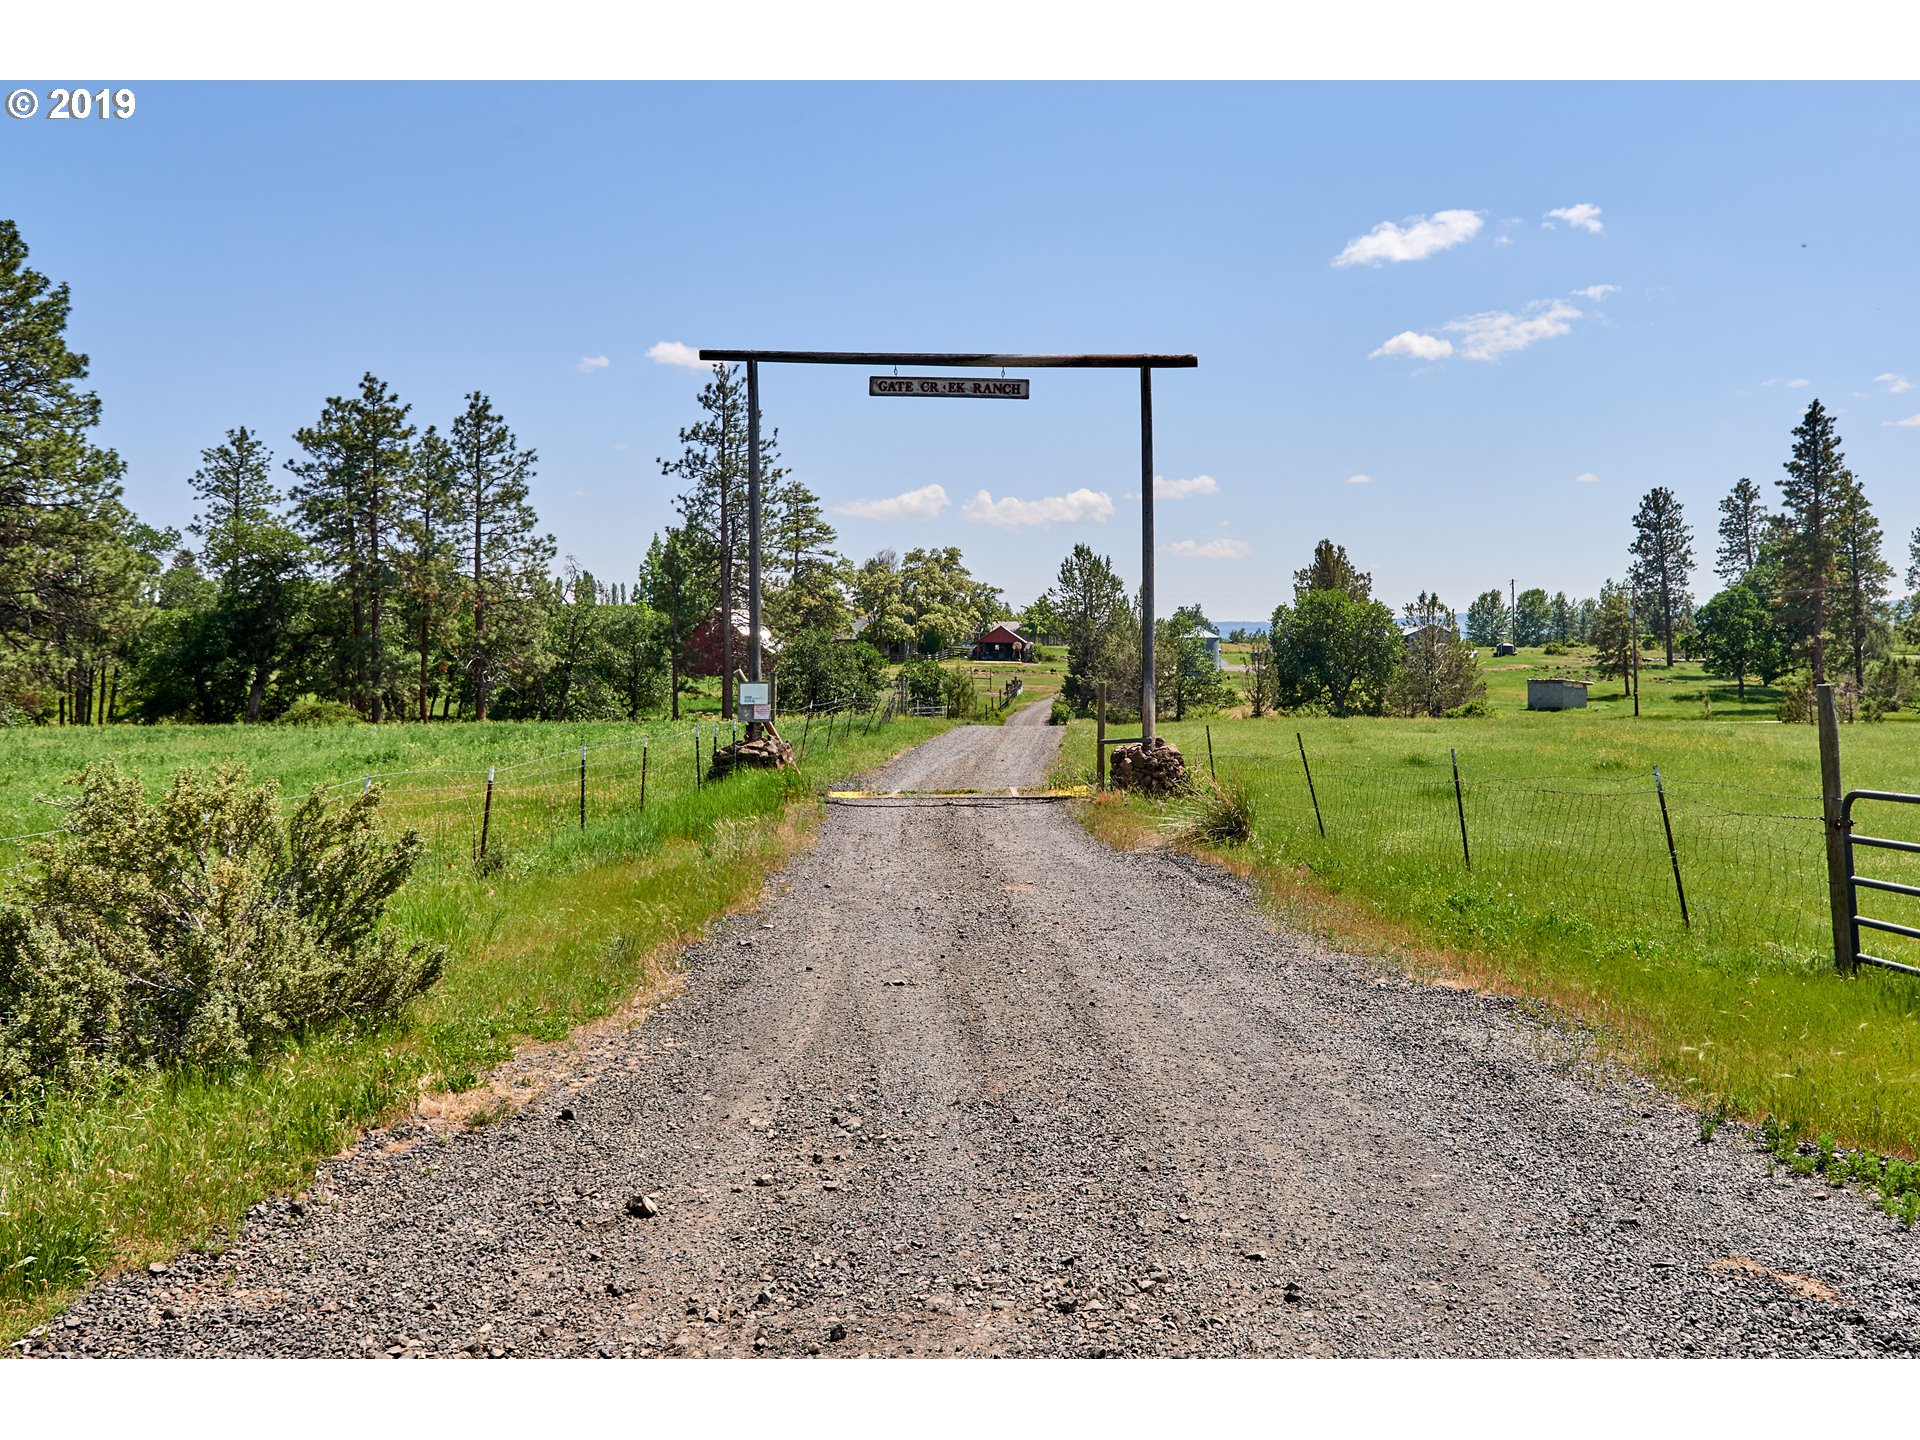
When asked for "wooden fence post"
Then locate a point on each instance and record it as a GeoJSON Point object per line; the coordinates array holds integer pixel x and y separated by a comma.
{"type": "Point", "coordinates": [1100, 734]}
{"type": "Point", "coordinates": [1839, 891]}
{"type": "Point", "coordinates": [486, 814]}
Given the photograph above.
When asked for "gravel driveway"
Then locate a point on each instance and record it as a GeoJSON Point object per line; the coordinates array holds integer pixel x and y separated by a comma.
{"type": "Point", "coordinates": [971, 1083]}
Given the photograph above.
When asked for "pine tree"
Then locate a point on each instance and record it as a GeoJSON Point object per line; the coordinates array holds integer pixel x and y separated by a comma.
{"type": "Point", "coordinates": [1862, 577]}
{"type": "Point", "coordinates": [713, 463]}
{"type": "Point", "coordinates": [1487, 618]}
{"type": "Point", "coordinates": [235, 484]}
{"type": "Point", "coordinates": [1437, 672]}
{"type": "Point", "coordinates": [65, 566]}
{"type": "Point", "coordinates": [355, 464]}
{"type": "Point", "coordinates": [1330, 569]}
{"type": "Point", "coordinates": [1616, 633]}
{"type": "Point", "coordinates": [431, 530]}
{"type": "Point", "coordinates": [674, 578]}
{"type": "Point", "coordinates": [1809, 492]}
{"type": "Point", "coordinates": [1662, 552]}
{"type": "Point", "coordinates": [1743, 529]}
{"type": "Point", "coordinates": [500, 532]}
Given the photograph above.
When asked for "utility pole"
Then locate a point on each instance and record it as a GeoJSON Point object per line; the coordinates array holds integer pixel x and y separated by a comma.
{"type": "Point", "coordinates": [1513, 613]}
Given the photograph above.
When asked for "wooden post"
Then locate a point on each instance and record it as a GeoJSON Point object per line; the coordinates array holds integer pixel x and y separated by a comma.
{"type": "Point", "coordinates": [1146, 558]}
{"type": "Point", "coordinates": [643, 775]}
{"type": "Point", "coordinates": [1212, 774]}
{"type": "Point", "coordinates": [583, 787]}
{"type": "Point", "coordinates": [1460, 804]}
{"type": "Point", "coordinates": [486, 814]}
{"type": "Point", "coordinates": [1839, 888]}
{"type": "Point", "coordinates": [753, 532]}
{"type": "Point", "coordinates": [1100, 733]}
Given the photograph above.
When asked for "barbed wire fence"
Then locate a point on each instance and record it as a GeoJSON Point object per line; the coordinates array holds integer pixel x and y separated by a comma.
{"type": "Point", "coordinates": [470, 814]}
{"type": "Point", "coordinates": [1641, 855]}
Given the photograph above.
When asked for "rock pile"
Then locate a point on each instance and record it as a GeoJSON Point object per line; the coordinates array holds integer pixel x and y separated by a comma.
{"type": "Point", "coordinates": [769, 752]}
{"type": "Point", "coordinates": [1153, 768]}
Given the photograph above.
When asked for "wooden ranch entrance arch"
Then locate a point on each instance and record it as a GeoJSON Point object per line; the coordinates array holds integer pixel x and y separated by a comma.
{"type": "Point", "coordinates": [1145, 364]}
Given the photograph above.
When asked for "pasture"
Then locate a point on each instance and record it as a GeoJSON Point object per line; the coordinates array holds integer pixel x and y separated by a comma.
{"type": "Point", "coordinates": [564, 924]}
{"type": "Point", "coordinates": [1570, 895]}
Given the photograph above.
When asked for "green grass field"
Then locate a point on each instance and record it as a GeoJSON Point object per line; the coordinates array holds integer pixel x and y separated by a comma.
{"type": "Point", "coordinates": [564, 925]}
{"type": "Point", "coordinates": [1571, 895]}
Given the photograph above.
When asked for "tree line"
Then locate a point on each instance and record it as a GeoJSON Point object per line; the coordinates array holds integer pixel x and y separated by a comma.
{"type": "Point", "coordinates": [388, 567]}
{"type": "Point", "coordinates": [1807, 598]}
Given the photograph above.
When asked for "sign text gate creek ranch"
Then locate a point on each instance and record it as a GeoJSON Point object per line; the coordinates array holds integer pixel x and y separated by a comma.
{"type": "Point", "coordinates": [1002, 389]}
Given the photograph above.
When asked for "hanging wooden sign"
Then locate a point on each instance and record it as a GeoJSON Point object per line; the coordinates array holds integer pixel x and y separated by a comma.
{"type": "Point", "coordinates": [946, 387]}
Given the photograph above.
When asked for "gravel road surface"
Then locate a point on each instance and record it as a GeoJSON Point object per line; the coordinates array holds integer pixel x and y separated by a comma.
{"type": "Point", "coordinates": [969, 1082]}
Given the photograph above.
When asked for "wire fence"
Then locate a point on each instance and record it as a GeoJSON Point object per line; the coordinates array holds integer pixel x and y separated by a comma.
{"type": "Point", "coordinates": [467, 815]}
{"type": "Point", "coordinates": [1642, 854]}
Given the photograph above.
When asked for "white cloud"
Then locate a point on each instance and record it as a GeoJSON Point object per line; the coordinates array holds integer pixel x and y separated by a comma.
{"type": "Point", "coordinates": [1415, 346]}
{"type": "Point", "coordinates": [1421, 237]}
{"type": "Point", "coordinates": [1587, 477]}
{"type": "Point", "coordinates": [1493, 333]}
{"type": "Point", "coordinates": [1165, 489]}
{"type": "Point", "coordinates": [1220, 549]}
{"type": "Point", "coordinates": [1790, 384]}
{"type": "Point", "coordinates": [672, 352]}
{"type": "Point", "coordinates": [1597, 293]}
{"type": "Point", "coordinates": [579, 494]}
{"type": "Point", "coordinates": [590, 363]}
{"type": "Point", "coordinates": [1581, 217]}
{"type": "Point", "coordinates": [1911, 422]}
{"type": "Point", "coordinates": [1359, 479]}
{"type": "Point", "coordinates": [922, 504]}
{"type": "Point", "coordinates": [1896, 384]}
{"type": "Point", "coordinates": [1011, 514]}
{"type": "Point", "coordinates": [1503, 239]}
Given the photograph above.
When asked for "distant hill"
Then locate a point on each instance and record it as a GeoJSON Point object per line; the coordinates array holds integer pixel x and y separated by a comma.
{"type": "Point", "coordinates": [1252, 627]}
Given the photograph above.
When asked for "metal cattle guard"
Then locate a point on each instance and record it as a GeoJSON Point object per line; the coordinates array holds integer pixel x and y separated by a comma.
{"type": "Point", "coordinates": [1855, 881]}
{"type": "Point", "coordinates": [1145, 364]}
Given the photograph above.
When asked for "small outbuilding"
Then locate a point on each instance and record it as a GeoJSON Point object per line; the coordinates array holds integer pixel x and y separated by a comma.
{"type": "Point", "coordinates": [1505, 647]}
{"type": "Point", "coordinates": [1556, 694]}
{"type": "Point", "coordinates": [1212, 642]}
{"type": "Point", "coordinates": [1001, 642]}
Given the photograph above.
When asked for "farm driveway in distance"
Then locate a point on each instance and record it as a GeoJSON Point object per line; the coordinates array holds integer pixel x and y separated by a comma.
{"type": "Point", "coordinates": [969, 1082]}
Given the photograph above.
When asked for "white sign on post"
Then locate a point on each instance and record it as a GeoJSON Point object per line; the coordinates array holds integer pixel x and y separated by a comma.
{"type": "Point", "coordinates": [948, 388]}
{"type": "Point", "coordinates": [753, 700]}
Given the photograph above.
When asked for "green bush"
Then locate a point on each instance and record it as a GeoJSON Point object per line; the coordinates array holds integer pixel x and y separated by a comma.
{"type": "Point", "coordinates": [1472, 710]}
{"type": "Point", "coordinates": [926, 682]}
{"type": "Point", "coordinates": [312, 710]}
{"type": "Point", "coordinates": [1061, 712]}
{"type": "Point", "coordinates": [817, 670]}
{"type": "Point", "coordinates": [197, 928]}
{"type": "Point", "coordinates": [957, 690]}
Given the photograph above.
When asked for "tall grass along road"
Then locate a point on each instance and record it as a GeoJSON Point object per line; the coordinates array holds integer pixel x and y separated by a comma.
{"type": "Point", "coordinates": [972, 1082]}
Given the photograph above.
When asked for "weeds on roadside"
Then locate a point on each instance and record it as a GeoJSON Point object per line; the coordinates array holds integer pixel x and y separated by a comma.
{"type": "Point", "coordinates": [1214, 813]}
{"type": "Point", "coordinates": [1898, 1181]}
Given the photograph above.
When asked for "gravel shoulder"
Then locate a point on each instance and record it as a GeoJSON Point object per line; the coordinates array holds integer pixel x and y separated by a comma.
{"type": "Point", "coordinates": [969, 1082]}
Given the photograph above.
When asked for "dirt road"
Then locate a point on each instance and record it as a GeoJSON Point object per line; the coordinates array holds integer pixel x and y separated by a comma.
{"type": "Point", "coordinates": [971, 1083]}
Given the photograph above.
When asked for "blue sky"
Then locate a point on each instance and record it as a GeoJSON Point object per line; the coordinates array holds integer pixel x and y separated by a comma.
{"type": "Point", "coordinates": [238, 252]}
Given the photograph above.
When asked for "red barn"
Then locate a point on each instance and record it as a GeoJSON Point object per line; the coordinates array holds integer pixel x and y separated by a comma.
{"type": "Point", "coordinates": [1002, 642]}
